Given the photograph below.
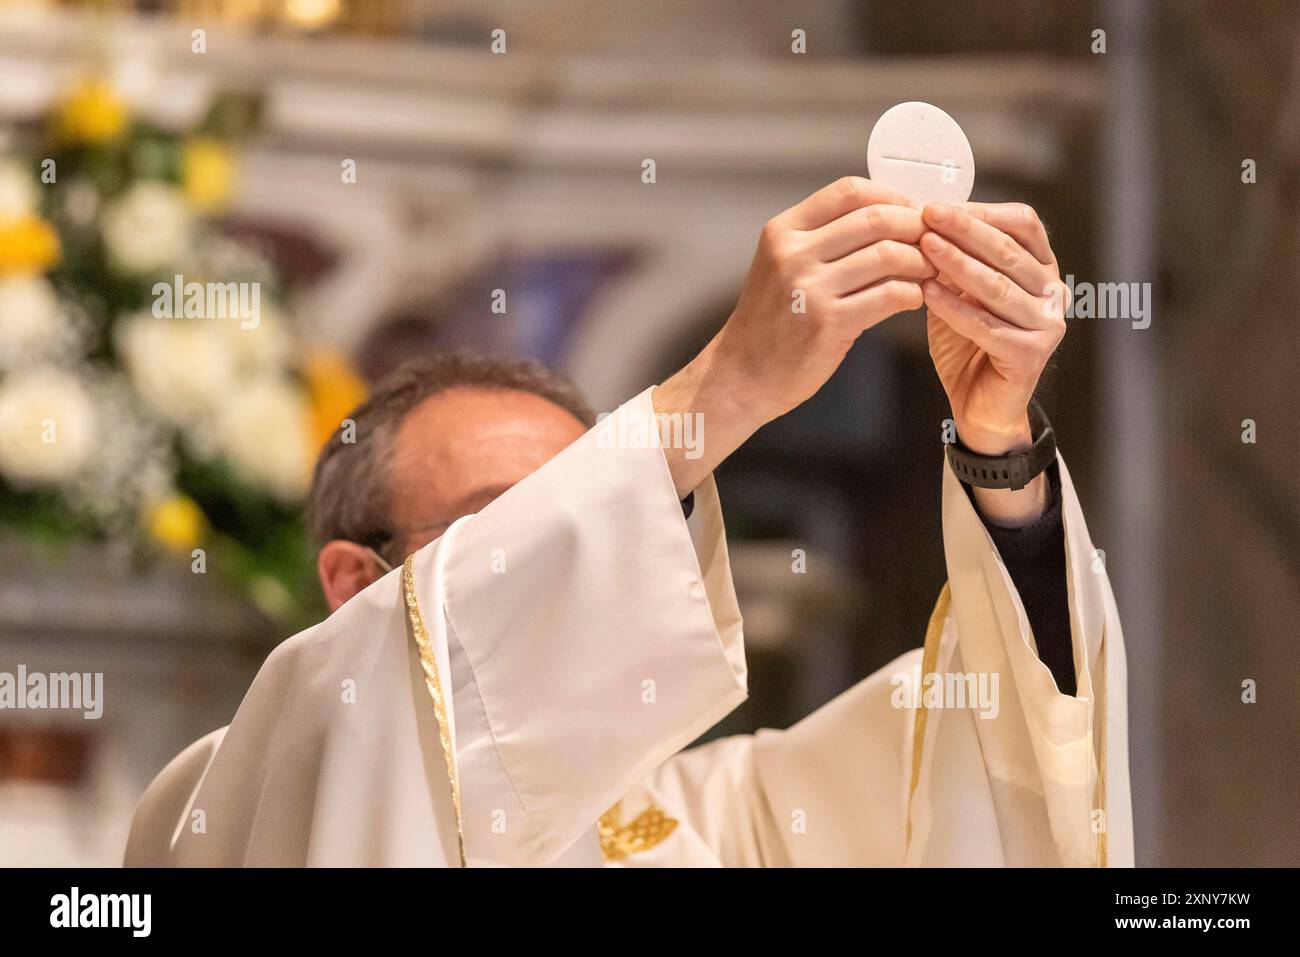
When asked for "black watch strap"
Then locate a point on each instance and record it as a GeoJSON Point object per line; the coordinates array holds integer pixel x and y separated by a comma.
{"type": "Point", "coordinates": [1013, 471]}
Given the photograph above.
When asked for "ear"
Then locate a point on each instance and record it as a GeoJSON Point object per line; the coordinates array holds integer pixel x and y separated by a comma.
{"type": "Point", "coordinates": [345, 568]}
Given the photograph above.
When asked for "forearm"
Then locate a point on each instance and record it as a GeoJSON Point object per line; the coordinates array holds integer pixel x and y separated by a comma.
{"type": "Point", "coordinates": [706, 389]}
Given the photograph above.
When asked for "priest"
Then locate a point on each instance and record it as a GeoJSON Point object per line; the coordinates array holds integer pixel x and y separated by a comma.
{"type": "Point", "coordinates": [533, 613]}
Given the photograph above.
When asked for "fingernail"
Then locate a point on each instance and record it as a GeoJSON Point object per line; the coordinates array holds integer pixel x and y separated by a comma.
{"type": "Point", "coordinates": [939, 212]}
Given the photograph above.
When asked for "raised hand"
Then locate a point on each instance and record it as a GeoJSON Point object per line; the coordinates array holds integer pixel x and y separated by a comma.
{"type": "Point", "coordinates": [825, 270]}
{"type": "Point", "coordinates": [996, 315]}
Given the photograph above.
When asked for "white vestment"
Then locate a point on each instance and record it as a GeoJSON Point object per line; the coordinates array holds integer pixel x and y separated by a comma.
{"type": "Point", "coordinates": [565, 643]}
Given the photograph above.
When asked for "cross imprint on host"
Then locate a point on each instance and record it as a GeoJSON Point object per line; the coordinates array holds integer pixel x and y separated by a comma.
{"type": "Point", "coordinates": [946, 164]}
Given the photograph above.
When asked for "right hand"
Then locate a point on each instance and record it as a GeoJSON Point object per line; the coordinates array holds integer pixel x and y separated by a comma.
{"type": "Point", "coordinates": [848, 256]}
{"type": "Point", "coordinates": [826, 269]}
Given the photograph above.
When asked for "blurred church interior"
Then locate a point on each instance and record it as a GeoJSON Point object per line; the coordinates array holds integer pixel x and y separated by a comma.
{"type": "Point", "coordinates": [523, 171]}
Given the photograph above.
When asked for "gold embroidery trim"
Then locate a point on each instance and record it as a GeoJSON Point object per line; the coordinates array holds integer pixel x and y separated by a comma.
{"type": "Point", "coordinates": [433, 683]}
{"type": "Point", "coordinates": [1103, 844]}
{"type": "Point", "coordinates": [618, 840]}
{"type": "Point", "coordinates": [930, 660]}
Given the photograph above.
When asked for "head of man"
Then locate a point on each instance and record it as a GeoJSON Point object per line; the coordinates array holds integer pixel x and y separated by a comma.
{"type": "Point", "coordinates": [438, 439]}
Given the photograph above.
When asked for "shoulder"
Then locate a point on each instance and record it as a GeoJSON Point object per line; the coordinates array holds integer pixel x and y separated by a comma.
{"type": "Point", "coordinates": [165, 802]}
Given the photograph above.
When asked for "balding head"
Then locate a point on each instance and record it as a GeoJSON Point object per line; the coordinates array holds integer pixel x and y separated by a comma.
{"type": "Point", "coordinates": [437, 440]}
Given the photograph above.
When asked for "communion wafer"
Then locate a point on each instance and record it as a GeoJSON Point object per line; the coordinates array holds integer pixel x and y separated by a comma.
{"type": "Point", "coordinates": [920, 151]}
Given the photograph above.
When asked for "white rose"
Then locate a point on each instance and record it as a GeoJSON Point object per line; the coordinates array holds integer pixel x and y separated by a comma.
{"type": "Point", "coordinates": [181, 368]}
{"type": "Point", "coordinates": [148, 227]}
{"type": "Point", "coordinates": [47, 426]}
{"type": "Point", "coordinates": [265, 347]}
{"type": "Point", "coordinates": [262, 430]}
{"type": "Point", "coordinates": [17, 191]}
{"type": "Point", "coordinates": [33, 323]}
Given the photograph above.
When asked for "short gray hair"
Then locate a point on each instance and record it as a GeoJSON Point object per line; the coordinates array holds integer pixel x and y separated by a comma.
{"type": "Point", "coordinates": [350, 485]}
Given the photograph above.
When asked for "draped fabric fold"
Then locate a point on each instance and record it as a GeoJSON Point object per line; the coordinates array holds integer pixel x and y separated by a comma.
{"type": "Point", "coordinates": [519, 692]}
{"type": "Point", "coordinates": [882, 776]}
{"type": "Point", "coordinates": [578, 631]}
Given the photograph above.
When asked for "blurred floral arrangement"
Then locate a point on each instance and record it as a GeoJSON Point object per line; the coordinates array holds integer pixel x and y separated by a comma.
{"type": "Point", "coordinates": [128, 413]}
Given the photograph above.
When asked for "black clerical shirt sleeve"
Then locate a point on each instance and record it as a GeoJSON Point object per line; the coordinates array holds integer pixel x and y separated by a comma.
{"type": "Point", "coordinates": [688, 505]}
{"type": "Point", "coordinates": [1034, 556]}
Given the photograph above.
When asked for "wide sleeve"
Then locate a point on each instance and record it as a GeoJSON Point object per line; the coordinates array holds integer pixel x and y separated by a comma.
{"type": "Point", "coordinates": [1056, 764]}
{"type": "Point", "coordinates": [890, 773]}
{"type": "Point", "coordinates": [592, 632]}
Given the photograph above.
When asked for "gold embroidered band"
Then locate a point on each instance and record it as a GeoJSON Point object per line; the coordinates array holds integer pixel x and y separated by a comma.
{"type": "Point", "coordinates": [432, 682]}
{"type": "Point", "coordinates": [929, 661]}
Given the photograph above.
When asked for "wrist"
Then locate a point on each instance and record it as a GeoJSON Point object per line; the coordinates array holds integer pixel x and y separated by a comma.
{"type": "Point", "coordinates": [984, 438]}
{"type": "Point", "coordinates": [1009, 453]}
{"type": "Point", "coordinates": [1013, 509]}
{"type": "Point", "coordinates": [702, 388]}
{"type": "Point", "coordinates": [724, 380]}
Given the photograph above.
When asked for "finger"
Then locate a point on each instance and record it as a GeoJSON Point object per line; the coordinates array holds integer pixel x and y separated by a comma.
{"type": "Point", "coordinates": [833, 201]}
{"type": "Point", "coordinates": [996, 249]}
{"type": "Point", "coordinates": [969, 319]}
{"type": "Point", "coordinates": [861, 227]}
{"type": "Point", "coordinates": [883, 260]}
{"type": "Point", "coordinates": [994, 290]}
{"type": "Point", "coordinates": [877, 303]}
{"type": "Point", "coordinates": [1019, 221]}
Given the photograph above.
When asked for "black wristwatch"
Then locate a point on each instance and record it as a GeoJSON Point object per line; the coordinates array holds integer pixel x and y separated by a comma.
{"type": "Point", "coordinates": [1013, 471]}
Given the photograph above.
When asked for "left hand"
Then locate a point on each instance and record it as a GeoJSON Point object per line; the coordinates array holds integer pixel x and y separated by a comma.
{"type": "Point", "coordinates": [996, 314]}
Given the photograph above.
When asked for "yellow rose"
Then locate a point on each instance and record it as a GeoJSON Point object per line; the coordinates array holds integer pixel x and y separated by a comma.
{"type": "Point", "coordinates": [91, 113]}
{"type": "Point", "coordinates": [176, 523]}
{"type": "Point", "coordinates": [208, 172]}
{"type": "Point", "coordinates": [335, 390]}
{"type": "Point", "coordinates": [27, 245]}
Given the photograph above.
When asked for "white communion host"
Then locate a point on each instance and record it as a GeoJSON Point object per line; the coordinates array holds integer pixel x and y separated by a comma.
{"type": "Point", "coordinates": [533, 614]}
